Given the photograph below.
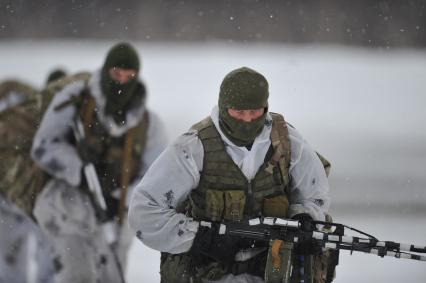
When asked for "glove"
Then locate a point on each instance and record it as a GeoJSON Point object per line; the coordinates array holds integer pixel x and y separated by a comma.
{"type": "Point", "coordinates": [208, 243]}
{"type": "Point", "coordinates": [306, 246]}
{"type": "Point", "coordinates": [88, 153]}
{"type": "Point", "coordinates": [305, 222]}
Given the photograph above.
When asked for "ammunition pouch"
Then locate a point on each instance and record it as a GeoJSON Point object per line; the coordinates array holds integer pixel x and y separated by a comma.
{"type": "Point", "coordinates": [276, 206]}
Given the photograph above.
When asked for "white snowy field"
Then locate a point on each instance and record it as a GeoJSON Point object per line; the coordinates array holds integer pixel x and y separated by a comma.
{"type": "Point", "coordinates": [364, 109]}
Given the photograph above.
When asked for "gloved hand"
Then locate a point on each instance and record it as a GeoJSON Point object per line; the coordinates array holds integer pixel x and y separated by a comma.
{"type": "Point", "coordinates": [306, 246]}
{"type": "Point", "coordinates": [208, 243]}
{"type": "Point", "coordinates": [305, 221]}
{"type": "Point", "coordinates": [88, 153]}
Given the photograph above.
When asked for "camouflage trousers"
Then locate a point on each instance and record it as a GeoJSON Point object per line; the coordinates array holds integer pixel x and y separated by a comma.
{"type": "Point", "coordinates": [81, 251]}
{"type": "Point", "coordinates": [25, 253]}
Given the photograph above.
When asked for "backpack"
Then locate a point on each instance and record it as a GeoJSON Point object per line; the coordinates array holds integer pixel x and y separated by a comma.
{"type": "Point", "coordinates": [21, 180]}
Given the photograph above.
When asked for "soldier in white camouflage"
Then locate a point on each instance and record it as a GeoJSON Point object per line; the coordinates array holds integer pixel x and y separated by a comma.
{"type": "Point", "coordinates": [99, 120]}
{"type": "Point", "coordinates": [239, 163]}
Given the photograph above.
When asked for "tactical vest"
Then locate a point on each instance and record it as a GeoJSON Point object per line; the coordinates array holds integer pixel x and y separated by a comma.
{"type": "Point", "coordinates": [117, 159]}
{"type": "Point", "coordinates": [225, 193]}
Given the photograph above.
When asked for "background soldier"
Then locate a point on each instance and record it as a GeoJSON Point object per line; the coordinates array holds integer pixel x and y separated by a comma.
{"type": "Point", "coordinates": [239, 163]}
{"type": "Point", "coordinates": [25, 254]}
{"type": "Point", "coordinates": [101, 121]}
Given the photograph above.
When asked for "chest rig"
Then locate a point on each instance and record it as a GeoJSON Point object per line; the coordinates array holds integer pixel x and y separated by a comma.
{"type": "Point", "coordinates": [225, 193]}
{"type": "Point", "coordinates": [117, 159]}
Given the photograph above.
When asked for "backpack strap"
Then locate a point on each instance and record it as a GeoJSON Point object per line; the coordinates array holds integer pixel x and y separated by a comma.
{"type": "Point", "coordinates": [87, 110]}
{"type": "Point", "coordinates": [280, 141]}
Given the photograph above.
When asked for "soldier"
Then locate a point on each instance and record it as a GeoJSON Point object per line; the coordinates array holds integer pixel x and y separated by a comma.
{"type": "Point", "coordinates": [25, 254]}
{"type": "Point", "coordinates": [239, 163]}
{"type": "Point", "coordinates": [102, 122]}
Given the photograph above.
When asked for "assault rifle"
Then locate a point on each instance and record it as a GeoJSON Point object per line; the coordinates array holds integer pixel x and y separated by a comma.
{"type": "Point", "coordinates": [288, 230]}
{"type": "Point", "coordinates": [284, 234]}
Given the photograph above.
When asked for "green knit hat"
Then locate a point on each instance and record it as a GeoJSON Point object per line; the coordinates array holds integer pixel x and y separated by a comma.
{"type": "Point", "coordinates": [243, 89]}
{"type": "Point", "coordinates": [122, 55]}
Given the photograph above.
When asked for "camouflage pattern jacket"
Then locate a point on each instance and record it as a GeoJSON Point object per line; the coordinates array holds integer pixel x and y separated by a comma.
{"type": "Point", "coordinates": [20, 113]}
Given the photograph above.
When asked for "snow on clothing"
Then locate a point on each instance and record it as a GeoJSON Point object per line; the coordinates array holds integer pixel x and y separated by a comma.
{"type": "Point", "coordinates": [63, 209]}
{"type": "Point", "coordinates": [176, 172]}
{"type": "Point", "coordinates": [25, 253]}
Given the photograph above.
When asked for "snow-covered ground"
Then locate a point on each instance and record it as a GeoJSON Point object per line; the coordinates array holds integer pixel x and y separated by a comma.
{"type": "Point", "coordinates": [364, 109]}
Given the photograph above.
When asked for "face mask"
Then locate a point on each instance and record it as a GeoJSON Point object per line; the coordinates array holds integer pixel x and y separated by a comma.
{"type": "Point", "coordinates": [239, 132]}
{"type": "Point", "coordinates": [118, 95]}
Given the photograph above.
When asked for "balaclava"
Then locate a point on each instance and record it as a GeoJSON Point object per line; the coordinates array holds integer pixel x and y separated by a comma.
{"type": "Point", "coordinates": [242, 89]}
{"type": "Point", "coordinates": [121, 55]}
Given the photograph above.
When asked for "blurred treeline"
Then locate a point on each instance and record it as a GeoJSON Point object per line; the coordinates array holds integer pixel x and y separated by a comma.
{"type": "Point", "coordinates": [356, 22]}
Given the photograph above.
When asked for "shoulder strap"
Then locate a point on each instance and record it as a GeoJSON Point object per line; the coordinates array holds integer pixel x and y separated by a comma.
{"type": "Point", "coordinates": [281, 144]}
{"type": "Point", "coordinates": [87, 109]}
{"type": "Point", "coordinates": [202, 124]}
{"type": "Point", "coordinates": [75, 99]}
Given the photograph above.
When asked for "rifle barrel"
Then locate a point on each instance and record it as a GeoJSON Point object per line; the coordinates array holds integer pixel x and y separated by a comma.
{"type": "Point", "coordinates": [398, 247]}
{"type": "Point", "coordinates": [373, 250]}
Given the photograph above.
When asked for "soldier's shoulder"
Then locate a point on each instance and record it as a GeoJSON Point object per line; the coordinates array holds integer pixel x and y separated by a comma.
{"type": "Point", "coordinates": [202, 124]}
{"type": "Point", "coordinates": [188, 142]}
{"type": "Point", "coordinates": [69, 81]}
{"type": "Point", "coordinates": [61, 83]}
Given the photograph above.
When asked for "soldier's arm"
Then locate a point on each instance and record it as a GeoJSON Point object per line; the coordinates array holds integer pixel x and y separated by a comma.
{"type": "Point", "coordinates": [166, 185]}
{"type": "Point", "coordinates": [309, 188]}
{"type": "Point", "coordinates": [52, 147]}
